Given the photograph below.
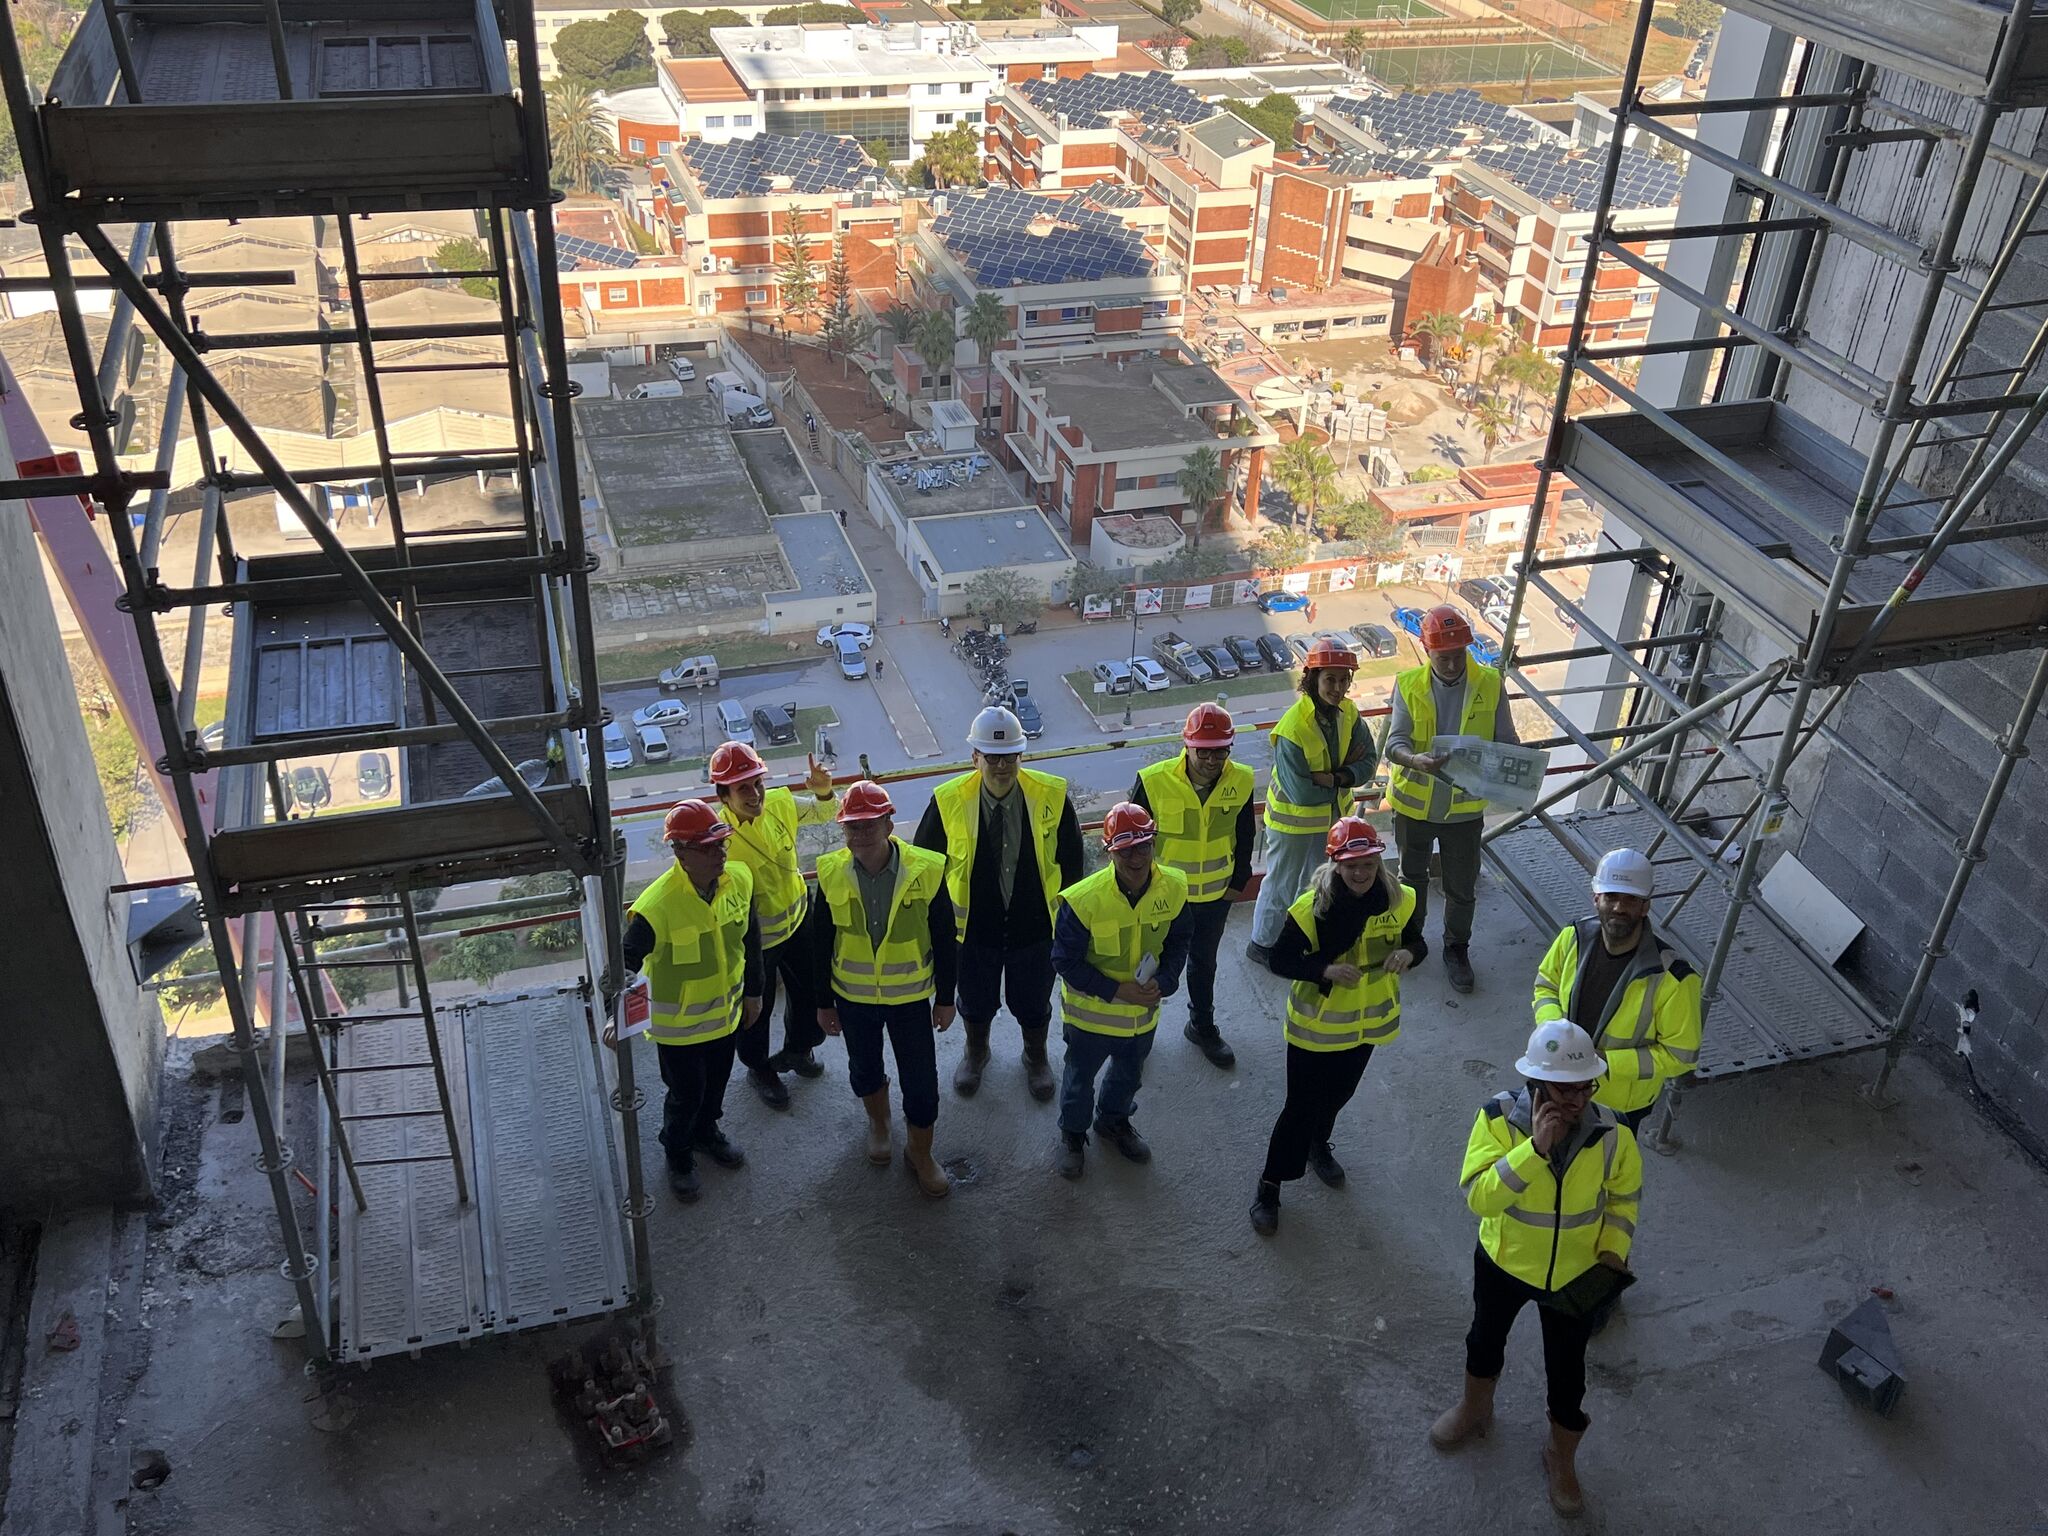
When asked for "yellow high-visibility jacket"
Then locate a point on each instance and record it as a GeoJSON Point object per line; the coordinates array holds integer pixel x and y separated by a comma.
{"type": "Point", "coordinates": [1197, 837]}
{"type": "Point", "coordinates": [900, 971]}
{"type": "Point", "coordinates": [1298, 725]}
{"type": "Point", "coordinates": [1541, 1229]}
{"type": "Point", "coordinates": [767, 846]}
{"type": "Point", "coordinates": [699, 960]}
{"type": "Point", "coordinates": [1413, 794]}
{"type": "Point", "coordinates": [1364, 1012]}
{"type": "Point", "coordinates": [1120, 934]}
{"type": "Point", "coordinates": [1649, 1031]}
{"type": "Point", "coordinates": [959, 803]}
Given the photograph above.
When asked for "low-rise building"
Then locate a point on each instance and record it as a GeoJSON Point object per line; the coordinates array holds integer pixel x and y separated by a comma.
{"type": "Point", "coordinates": [951, 517]}
{"type": "Point", "coordinates": [608, 285]}
{"type": "Point", "coordinates": [1021, 51]}
{"type": "Point", "coordinates": [1480, 517]}
{"type": "Point", "coordinates": [1128, 540]}
{"type": "Point", "coordinates": [829, 584]}
{"type": "Point", "coordinates": [672, 490]}
{"type": "Point", "coordinates": [551, 16]}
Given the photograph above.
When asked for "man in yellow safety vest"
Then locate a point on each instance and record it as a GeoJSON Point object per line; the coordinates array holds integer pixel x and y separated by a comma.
{"type": "Point", "coordinates": [1202, 803]}
{"type": "Point", "coordinates": [1119, 942]}
{"type": "Point", "coordinates": [694, 934]}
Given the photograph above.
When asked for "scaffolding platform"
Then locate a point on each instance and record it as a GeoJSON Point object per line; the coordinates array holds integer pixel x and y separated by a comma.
{"type": "Point", "coordinates": [1950, 43]}
{"type": "Point", "coordinates": [1979, 600]}
{"type": "Point", "coordinates": [542, 1241]}
{"type": "Point", "coordinates": [1778, 1004]}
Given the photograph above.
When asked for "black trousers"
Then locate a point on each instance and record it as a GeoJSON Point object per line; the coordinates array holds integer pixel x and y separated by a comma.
{"type": "Point", "coordinates": [695, 1077]}
{"type": "Point", "coordinates": [1209, 919]}
{"type": "Point", "coordinates": [1022, 978]}
{"type": "Point", "coordinates": [785, 963]}
{"type": "Point", "coordinates": [1497, 1298]}
{"type": "Point", "coordinates": [1319, 1085]}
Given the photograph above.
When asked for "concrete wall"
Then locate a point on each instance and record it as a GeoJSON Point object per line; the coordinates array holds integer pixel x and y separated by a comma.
{"type": "Point", "coordinates": [82, 1044]}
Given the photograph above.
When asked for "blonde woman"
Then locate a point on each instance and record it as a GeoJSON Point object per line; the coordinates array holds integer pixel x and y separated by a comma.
{"type": "Point", "coordinates": [1341, 947]}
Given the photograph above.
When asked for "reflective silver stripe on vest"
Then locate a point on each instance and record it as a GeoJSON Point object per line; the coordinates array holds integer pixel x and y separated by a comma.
{"type": "Point", "coordinates": [781, 924]}
{"type": "Point", "coordinates": [1303, 821]}
{"type": "Point", "coordinates": [706, 1021]}
{"type": "Point", "coordinates": [1199, 866]}
{"type": "Point", "coordinates": [1507, 1175]}
{"type": "Point", "coordinates": [1551, 1219]}
{"type": "Point", "coordinates": [1689, 1058]}
{"type": "Point", "coordinates": [1084, 1010]}
{"type": "Point", "coordinates": [1622, 1224]}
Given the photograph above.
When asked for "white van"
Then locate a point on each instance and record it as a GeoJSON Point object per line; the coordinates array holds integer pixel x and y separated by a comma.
{"type": "Point", "coordinates": [653, 743]}
{"type": "Point", "coordinates": [658, 389]}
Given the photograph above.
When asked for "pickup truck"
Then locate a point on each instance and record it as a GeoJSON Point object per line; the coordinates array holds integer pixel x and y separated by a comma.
{"type": "Point", "coordinates": [1180, 658]}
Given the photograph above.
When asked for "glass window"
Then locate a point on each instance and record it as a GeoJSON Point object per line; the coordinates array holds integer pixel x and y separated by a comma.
{"type": "Point", "coordinates": [849, 92]}
{"type": "Point", "coordinates": [618, 295]}
{"type": "Point", "coordinates": [709, 122]}
{"type": "Point", "coordinates": [1567, 306]}
{"type": "Point", "coordinates": [637, 146]}
{"type": "Point", "coordinates": [1127, 482]}
{"type": "Point", "coordinates": [971, 115]}
{"type": "Point", "coordinates": [944, 119]}
{"type": "Point", "coordinates": [934, 88]}
{"type": "Point", "coordinates": [743, 119]}
{"type": "Point", "coordinates": [757, 295]}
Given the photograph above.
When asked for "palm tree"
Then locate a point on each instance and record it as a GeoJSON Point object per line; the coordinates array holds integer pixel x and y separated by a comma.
{"type": "Point", "coordinates": [1441, 327]}
{"type": "Point", "coordinates": [986, 323]}
{"type": "Point", "coordinates": [1494, 420]}
{"type": "Point", "coordinates": [1306, 473]}
{"type": "Point", "coordinates": [936, 340]}
{"type": "Point", "coordinates": [900, 321]}
{"type": "Point", "coordinates": [953, 158]}
{"type": "Point", "coordinates": [580, 135]}
{"type": "Point", "coordinates": [1201, 481]}
{"type": "Point", "coordinates": [1480, 337]}
{"type": "Point", "coordinates": [1351, 47]}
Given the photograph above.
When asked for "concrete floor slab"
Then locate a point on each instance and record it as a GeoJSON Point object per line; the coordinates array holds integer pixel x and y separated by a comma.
{"type": "Point", "coordinates": [1124, 1355]}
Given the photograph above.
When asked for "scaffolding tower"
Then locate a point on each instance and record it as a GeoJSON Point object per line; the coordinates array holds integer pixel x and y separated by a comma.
{"type": "Point", "coordinates": [1786, 563]}
{"type": "Point", "coordinates": [469, 1150]}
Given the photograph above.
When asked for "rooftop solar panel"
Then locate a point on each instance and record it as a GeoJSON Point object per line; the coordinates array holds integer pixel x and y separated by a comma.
{"type": "Point", "coordinates": [576, 253]}
{"type": "Point", "coordinates": [1004, 236]}
{"type": "Point", "coordinates": [813, 162]}
{"type": "Point", "coordinates": [1554, 175]}
{"type": "Point", "coordinates": [1090, 101]}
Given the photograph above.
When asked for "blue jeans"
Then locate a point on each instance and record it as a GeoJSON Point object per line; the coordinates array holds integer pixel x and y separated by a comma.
{"type": "Point", "coordinates": [909, 1028]}
{"type": "Point", "coordinates": [1086, 1052]}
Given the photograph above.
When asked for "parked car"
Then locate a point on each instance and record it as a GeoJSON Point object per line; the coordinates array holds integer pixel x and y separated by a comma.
{"type": "Point", "coordinates": [663, 713]}
{"type": "Point", "coordinates": [1476, 591]}
{"type": "Point", "coordinates": [658, 389]}
{"type": "Point", "coordinates": [777, 722]}
{"type": "Point", "coordinates": [1282, 602]}
{"type": "Point", "coordinates": [752, 416]}
{"type": "Point", "coordinates": [654, 744]}
{"type": "Point", "coordinates": [1221, 661]}
{"type": "Point", "coordinates": [310, 787]}
{"type": "Point", "coordinates": [373, 776]}
{"type": "Point", "coordinates": [1279, 656]}
{"type": "Point", "coordinates": [1338, 637]}
{"type": "Point", "coordinates": [214, 735]}
{"type": "Point", "coordinates": [1299, 644]}
{"type": "Point", "coordinates": [691, 672]}
{"type": "Point", "coordinates": [1181, 658]}
{"type": "Point", "coordinates": [532, 771]}
{"type": "Point", "coordinates": [1375, 640]}
{"type": "Point", "coordinates": [732, 722]}
{"type": "Point", "coordinates": [1496, 615]}
{"type": "Point", "coordinates": [618, 746]}
{"type": "Point", "coordinates": [1025, 708]}
{"type": "Point", "coordinates": [1113, 675]}
{"type": "Point", "coordinates": [829, 634]}
{"type": "Point", "coordinates": [1150, 675]}
{"type": "Point", "coordinates": [1246, 650]}
{"type": "Point", "coordinates": [682, 370]}
{"type": "Point", "coordinates": [853, 658]}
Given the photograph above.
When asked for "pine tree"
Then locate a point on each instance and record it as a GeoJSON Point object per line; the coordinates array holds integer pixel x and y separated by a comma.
{"type": "Point", "coordinates": [838, 297]}
{"type": "Point", "coordinates": [798, 275]}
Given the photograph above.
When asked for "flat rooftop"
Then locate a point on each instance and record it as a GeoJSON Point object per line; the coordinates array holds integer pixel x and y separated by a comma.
{"type": "Point", "coordinates": [779, 475]}
{"type": "Point", "coordinates": [779, 56]}
{"type": "Point", "coordinates": [991, 489]}
{"type": "Point", "coordinates": [980, 541]}
{"type": "Point", "coordinates": [1120, 407]}
{"type": "Point", "coordinates": [820, 558]}
{"type": "Point", "coordinates": [668, 472]}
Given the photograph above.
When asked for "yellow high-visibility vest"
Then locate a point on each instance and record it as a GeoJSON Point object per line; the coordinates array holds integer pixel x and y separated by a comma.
{"type": "Point", "coordinates": [1363, 1012]}
{"type": "Point", "coordinates": [1649, 1031]}
{"type": "Point", "coordinates": [1197, 837]}
{"type": "Point", "coordinates": [901, 970]}
{"type": "Point", "coordinates": [699, 959]}
{"type": "Point", "coordinates": [959, 802]}
{"type": "Point", "coordinates": [1538, 1229]}
{"type": "Point", "coordinates": [1121, 932]}
{"type": "Point", "coordinates": [767, 846]}
{"type": "Point", "coordinates": [1299, 726]}
{"type": "Point", "coordinates": [1415, 795]}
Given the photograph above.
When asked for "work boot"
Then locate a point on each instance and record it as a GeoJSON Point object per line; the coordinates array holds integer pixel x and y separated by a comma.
{"type": "Point", "coordinates": [1073, 1153]}
{"type": "Point", "coordinates": [1124, 1136]}
{"type": "Point", "coordinates": [1560, 1469]}
{"type": "Point", "coordinates": [768, 1084]}
{"type": "Point", "coordinates": [917, 1157]}
{"type": "Point", "coordinates": [1472, 1415]}
{"type": "Point", "coordinates": [720, 1150]}
{"type": "Point", "coordinates": [802, 1063]}
{"type": "Point", "coordinates": [1211, 1044]}
{"type": "Point", "coordinates": [877, 1106]}
{"type": "Point", "coordinates": [1459, 964]}
{"type": "Point", "coordinates": [1325, 1165]}
{"type": "Point", "coordinates": [1037, 1068]}
{"type": "Point", "coordinates": [967, 1076]}
{"type": "Point", "coordinates": [1266, 1209]}
{"type": "Point", "coordinates": [1259, 954]}
{"type": "Point", "coordinates": [682, 1183]}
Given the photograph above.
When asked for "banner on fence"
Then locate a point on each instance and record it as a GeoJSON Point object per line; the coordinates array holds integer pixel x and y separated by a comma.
{"type": "Point", "coordinates": [1198, 596]}
{"type": "Point", "coordinates": [1247, 592]}
{"type": "Point", "coordinates": [1391, 575]}
{"type": "Point", "coordinates": [1344, 578]}
{"type": "Point", "coordinates": [1150, 599]}
{"type": "Point", "coordinates": [1295, 581]}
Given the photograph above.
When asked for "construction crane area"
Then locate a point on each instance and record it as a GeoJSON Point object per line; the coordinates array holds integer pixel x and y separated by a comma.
{"type": "Point", "coordinates": [398, 1253]}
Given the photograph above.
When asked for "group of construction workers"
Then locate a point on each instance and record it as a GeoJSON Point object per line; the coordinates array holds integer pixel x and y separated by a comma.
{"type": "Point", "coordinates": [988, 906]}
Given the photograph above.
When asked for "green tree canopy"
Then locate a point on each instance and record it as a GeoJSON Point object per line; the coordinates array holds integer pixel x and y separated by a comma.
{"type": "Point", "coordinates": [953, 158]}
{"type": "Point", "coordinates": [797, 274]}
{"type": "Point", "coordinates": [1178, 13]}
{"type": "Point", "coordinates": [1274, 115]}
{"type": "Point", "coordinates": [1696, 18]}
{"type": "Point", "coordinates": [608, 53]}
{"type": "Point", "coordinates": [878, 150]}
{"type": "Point", "coordinates": [579, 134]}
{"type": "Point", "coordinates": [482, 957]}
{"type": "Point", "coordinates": [688, 33]}
{"type": "Point", "coordinates": [467, 256]}
{"type": "Point", "coordinates": [814, 10]}
{"type": "Point", "coordinates": [1280, 549]}
{"type": "Point", "coordinates": [1219, 53]}
{"type": "Point", "coordinates": [1001, 596]}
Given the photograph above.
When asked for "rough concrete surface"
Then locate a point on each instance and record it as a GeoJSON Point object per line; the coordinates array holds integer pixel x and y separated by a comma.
{"type": "Point", "coordinates": [1125, 1356]}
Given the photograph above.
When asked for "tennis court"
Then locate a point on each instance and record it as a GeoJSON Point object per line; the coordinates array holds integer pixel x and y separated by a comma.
{"type": "Point", "coordinates": [1477, 63]}
{"type": "Point", "coordinates": [1372, 10]}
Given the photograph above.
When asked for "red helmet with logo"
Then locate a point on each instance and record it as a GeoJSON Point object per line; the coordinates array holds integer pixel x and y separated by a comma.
{"type": "Point", "coordinates": [1326, 652]}
{"type": "Point", "coordinates": [1209, 725]}
{"type": "Point", "coordinates": [865, 800]}
{"type": "Point", "coordinates": [1127, 826]}
{"type": "Point", "coordinates": [1353, 837]}
{"type": "Point", "coordinates": [735, 762]}
{"type": "Point", "coordinates": [694, 824]}
{"type": "Point", "coordinates": [1445, 629]}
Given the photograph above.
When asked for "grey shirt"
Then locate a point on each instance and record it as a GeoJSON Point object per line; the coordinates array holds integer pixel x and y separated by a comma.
{"type": "Point", "coordinates": [1448, 699]}
{"type": "Point", "coordinates": [878, 893]}
{"type": "Point", "coordinates": [1004, 818]}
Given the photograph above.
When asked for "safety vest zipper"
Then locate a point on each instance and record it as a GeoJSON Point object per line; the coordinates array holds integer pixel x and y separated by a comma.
{"type": "Point", "coordinates": [1556, 1225]}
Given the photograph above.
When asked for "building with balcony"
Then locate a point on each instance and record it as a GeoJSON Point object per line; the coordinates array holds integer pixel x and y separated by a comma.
{"type": "Point", "coordinates": [1018, 52]}
{"type": "Point", "coordinates": [701, 99]}
{"type": "Point", "coordinates": [1070, 132]}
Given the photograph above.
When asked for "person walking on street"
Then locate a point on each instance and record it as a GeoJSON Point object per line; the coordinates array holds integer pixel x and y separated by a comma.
{"type": "Point", "coordinates": [1012, 843]}
{"type": "Point", "coordinates": [1119, 941]}
{"type": "Point", "coordinates": [1201, 802]}
{"type": "Point", "coordinates": [694, 933]}
{"type": "Point", "coordinates": [882, 931]}
{"type": "Point", "coordinates": [1342, 950]}
{"type": "Point", "coordinates": [1454, 695]}
{"type": "Point", "coordinates": [1555, 1180]}
{"type": "Point", "coordinates": [764, 823]}
{"type": "Point", "coordinates": [1320, 754]}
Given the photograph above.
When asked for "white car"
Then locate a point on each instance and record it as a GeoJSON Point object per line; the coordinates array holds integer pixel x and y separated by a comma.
{"type": "Point", "coordinates": [853, 658]}
{"type": "Point", "coordinates": [733, 723]}
{"type": "Point", "coordinates": [682, 370]}
{"type": "Point", "coordinates": [830, 634]}
{"type": "Point", "coordinates": [663, 713]}
{"type": "Point", "coordinates": [618, 747]}
{"type": "Point", "coordinates": [1151, 676]}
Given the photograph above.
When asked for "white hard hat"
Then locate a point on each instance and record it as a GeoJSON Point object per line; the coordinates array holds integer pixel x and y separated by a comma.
{"type": "Point", "coordinates": [1624, 872]}
{"type": "Point", "coordinates": [995, 729]}
{"type": "Point", "coordinates": [1561, 1052]}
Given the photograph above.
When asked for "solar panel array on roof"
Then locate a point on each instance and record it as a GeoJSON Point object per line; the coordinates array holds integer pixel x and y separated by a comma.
{"type": "Point", "coordinates": [578, 254]}
{"type": "Point", "coordinates": [1003, 236]}
{"type": "Point", "coordinates": [1089, 101]}
{"type": "Point", "coordinates": [1105, 193]}
{"type": "Point", "coordinates": [813, 162]}
{"type": "Point", "coordinates": [1552, 175]}
{"type": "Point", "coordinates": [1366, 162]}
{"type": "Point", "coordinates": [1437, 122]}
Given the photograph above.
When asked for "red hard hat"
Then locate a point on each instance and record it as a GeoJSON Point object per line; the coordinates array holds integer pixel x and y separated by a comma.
{"type": "Point", "coordinates": [1328, 653]}
{"type": "Point", "coordinates": [1209, 725]}
{"type": "Point", "coordinates": [865, 800]}
{"type": "Point", "coordinates": [1126, 826]}
{"type": "Point", "coordinates": [694, 824]}
{"type": "Point", "coordinates": [1353, 837]}
{"type": "Point", "coordinates": [735, 762]}
{"type": "Point", "coordinates": [1445, 629]}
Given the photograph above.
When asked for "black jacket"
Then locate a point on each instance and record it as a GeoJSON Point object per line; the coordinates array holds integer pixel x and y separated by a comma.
{"type": "Point", "coordinates": [1028, 919]}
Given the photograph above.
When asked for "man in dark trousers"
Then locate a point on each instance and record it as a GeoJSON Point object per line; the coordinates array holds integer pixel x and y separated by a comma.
{"type": "Point", "coordinates": [1012, 843]}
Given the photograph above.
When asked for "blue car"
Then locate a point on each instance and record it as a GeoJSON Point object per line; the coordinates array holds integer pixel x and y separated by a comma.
{"type": "Point", "coordinates": [1481, 650]}
{"type": "Point", "coordinates": [1282, 602]}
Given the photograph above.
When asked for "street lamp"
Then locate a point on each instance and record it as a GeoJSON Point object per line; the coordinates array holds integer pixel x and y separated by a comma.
{"type": "Point", "coordinates": [1131, 662]}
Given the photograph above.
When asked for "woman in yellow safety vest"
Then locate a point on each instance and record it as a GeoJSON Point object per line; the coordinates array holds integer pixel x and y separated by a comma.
{"type": "Point", "coordinates": [1342, 950]}
{"type": "Point", "coordinates": [1555, 1180]}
